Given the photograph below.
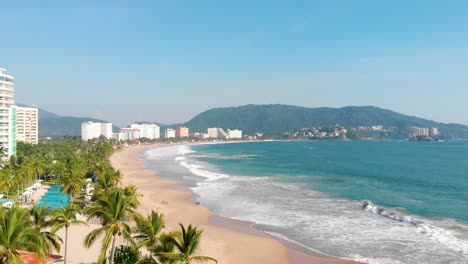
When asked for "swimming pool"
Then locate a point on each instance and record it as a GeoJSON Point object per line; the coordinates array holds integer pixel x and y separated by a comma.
{"type": "Point", "coordinates": [54, 198]}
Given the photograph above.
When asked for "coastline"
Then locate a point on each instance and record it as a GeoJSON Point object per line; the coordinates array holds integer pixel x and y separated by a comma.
{"type": "Point", "coordinates": [227, 240]}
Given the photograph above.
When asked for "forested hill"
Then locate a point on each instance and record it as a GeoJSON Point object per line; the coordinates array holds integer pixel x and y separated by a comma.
{"type": "Point", "coordinates": [283, 118]}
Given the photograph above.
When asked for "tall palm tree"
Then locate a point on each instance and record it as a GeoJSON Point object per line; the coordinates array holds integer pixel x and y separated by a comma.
{"type": "Point", "coordinates": [42, 219]}
{"type": "Point", "coordinates": [114, 210]}
{"type": "Point", "coordinates": [187, 242]}
{"type": "Point", "coordinates": [73, 180]}
{"type": "Point", "coordinates": [16, 233]}
{"type": "Point", "coordinates": [63, 218]}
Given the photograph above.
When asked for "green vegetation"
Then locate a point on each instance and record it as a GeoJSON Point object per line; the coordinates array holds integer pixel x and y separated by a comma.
{"type": "Point", "coordinates": [274, 119]}
{"type": "Point", "coordinates": [114, 206]}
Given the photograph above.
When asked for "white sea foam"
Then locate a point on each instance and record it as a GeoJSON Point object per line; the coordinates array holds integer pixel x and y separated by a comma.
{"type": "Point", "coordinates": [440, 235]}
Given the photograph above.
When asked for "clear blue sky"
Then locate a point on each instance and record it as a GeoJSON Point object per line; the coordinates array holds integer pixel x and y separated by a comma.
{"type": "Point", "coordinates": [170, 60]}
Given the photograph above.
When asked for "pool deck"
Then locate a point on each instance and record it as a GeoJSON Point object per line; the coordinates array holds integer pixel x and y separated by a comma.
{"type": "Point", "coordinates": [37, 195]}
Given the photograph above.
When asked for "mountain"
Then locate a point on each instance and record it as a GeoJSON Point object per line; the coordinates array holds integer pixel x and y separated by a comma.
{"type": "Point", "coordinates": [284, 118]}
{"type": "Point", "coordinates": [54, 125]}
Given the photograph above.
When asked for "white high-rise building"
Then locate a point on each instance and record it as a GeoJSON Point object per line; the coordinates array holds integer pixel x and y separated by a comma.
{"type": "Point", "coordinates": [234, 134]}
{"type": "Point", "coordinates": [149, 131]}
{"type": "Point", "coordinates": [90, 130]}
{"type": "Point", "coordinates": [27, 124]}
{"type": "Point", "coordinates": [7, 114]}
{"type": "Point", "coordinates": [213, 132]}
{"type": "Point", "coordinates": [170, 133]}
{"type": "Point", "coordinates": [130, 133]}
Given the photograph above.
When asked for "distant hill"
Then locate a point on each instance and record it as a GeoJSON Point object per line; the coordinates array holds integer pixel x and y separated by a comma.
{"type": "Point", "coordinates": [54, 125]}
{"type": "Point", "coordinates": [283, 118]}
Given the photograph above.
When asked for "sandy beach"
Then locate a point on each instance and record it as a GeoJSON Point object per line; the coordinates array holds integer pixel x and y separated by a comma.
{"type": "Point", "coordinates": [230, 242]}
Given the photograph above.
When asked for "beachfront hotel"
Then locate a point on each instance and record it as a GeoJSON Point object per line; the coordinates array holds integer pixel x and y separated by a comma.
{"type": "Point", "coordinates": [182, 132]}
{"type": "Point", "coordinates": [234, 134]}
{"type": "Point", "coordinates": [91, 130]}
{"type": "Point", "coordinates": [170, 133]}
{"type": "Point", "coordinates": [7, 114]}
{"type": "Point", "coordinates": [149, 131]}
{"type": "Point", "coordinates": [27, 124]}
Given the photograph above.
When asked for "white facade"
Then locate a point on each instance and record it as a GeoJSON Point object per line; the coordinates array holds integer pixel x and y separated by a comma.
{"type": "Point", "coordinates": [419, 131]}
{"type": "Point", "coordinates": [435, 131]}
{"type": "Point", "coordinates": [106, 130]}
{"type": "Point", "coordinates": [118, 136]}
{"type": "Point", "coordinates": [149, 131]}
{"type": "Point", "coordinates": [234, 134]}
{"type": "Point", "coordinates": [213, 132]}
{"type": "Point", "coordinates": [170, 133]}
{"type": "Point", "coordinates": [27, 126]}
{"type": "Point", "coordinates": [130, 133]}
{"type": "Point", "coordinates": [7, 114]}
{"type": "Point", "coordinates": [90, 130]}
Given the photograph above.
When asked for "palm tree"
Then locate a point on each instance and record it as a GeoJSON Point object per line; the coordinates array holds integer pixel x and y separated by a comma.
{"type": "Point", "coordinates": [187, 242]}
{"type": "Point", "coordinates": [17, 234]}
{"type": "Point", "coordinates": [7, 182]}
{"type": "Point", "coordinates": [148, 229]}
{"type": "Point", "coordinates": [41, 217]}
{"type": "Point", "coordinates": [73, 180]}
{"type": "Point", "coordinates": [65, 217]}
{"type": "Point", "coordinates": [114, 210]}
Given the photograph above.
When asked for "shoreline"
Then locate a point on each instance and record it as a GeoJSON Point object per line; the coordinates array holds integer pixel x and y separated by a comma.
{"type": "Point", "coordinates": [227, 240]}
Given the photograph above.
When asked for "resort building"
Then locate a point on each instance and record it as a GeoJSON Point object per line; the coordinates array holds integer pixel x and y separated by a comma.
{"type": "Point", "coordinates": [90, 130]}
{"type": "Point", "coordinates": [149, 131]}
{"type": "Point", "coordinates": [7, 115]}
{"type": "Point", "coordinates": [213, 132]}
{"type": "Point", "coordinates": [130, 133]}
{"type": "Point", "coordinates": [435, 131]}
{"type": "Point", "coordinates": [118, 136]}
{"type": "Point", "coordinates": [182, 132]}
{"type": "Point", "coordinates": [419, 131]}
{"type": "Point", "coordinates": [170, 133]}
{"type": "Point", "coordinates": [27, 124]}
{"type": "Point", "coordinates": [234, 134]}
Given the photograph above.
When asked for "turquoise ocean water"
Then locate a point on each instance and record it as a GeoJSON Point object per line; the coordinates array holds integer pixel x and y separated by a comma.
{"type": "Point", "coordinates": [381, 202]}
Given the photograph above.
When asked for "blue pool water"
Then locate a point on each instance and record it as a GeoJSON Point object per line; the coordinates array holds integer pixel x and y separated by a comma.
{"type": "Point", "coordinates": [378, 202]}
{"type": "Point", "coordinates": [54, 198]}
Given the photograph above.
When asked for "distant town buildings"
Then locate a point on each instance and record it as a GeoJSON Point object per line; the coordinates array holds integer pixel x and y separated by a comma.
{"type": "Point", "coordinates": [7, 114]}
{"type": "Point", "coordinates": [435, 131]}
{"type": "Point", "coordinates": [27, 125]}
{"type": "Point", "coordinates": [90, 130]}
{"type": "Point", "coordinates": [169, 133]}
{"type": "Point", "coordinates": [182, 132]}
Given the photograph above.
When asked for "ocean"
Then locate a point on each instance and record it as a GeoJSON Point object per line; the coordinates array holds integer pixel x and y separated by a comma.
{"type": "Point", "coordinates": [379, 202]}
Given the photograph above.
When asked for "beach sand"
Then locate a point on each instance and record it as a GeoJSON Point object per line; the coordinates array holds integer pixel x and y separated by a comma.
{"type": "Point", "coordinates": [231, 242]}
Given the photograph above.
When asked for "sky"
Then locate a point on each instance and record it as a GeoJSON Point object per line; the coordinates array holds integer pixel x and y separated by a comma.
{"type": "Point", "coordinates": [168, 61]}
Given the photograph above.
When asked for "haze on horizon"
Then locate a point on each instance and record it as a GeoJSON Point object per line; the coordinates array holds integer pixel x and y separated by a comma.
{"type": "Point", "coordinates": [167, 61]}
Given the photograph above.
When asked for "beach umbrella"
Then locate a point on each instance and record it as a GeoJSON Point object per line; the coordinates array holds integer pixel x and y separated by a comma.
{"type": "Point", "coordinates": [2, 195]}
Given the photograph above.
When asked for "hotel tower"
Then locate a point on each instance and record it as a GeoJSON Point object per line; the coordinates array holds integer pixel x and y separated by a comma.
{"type": "Point", "coordinates": [7, 115]}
